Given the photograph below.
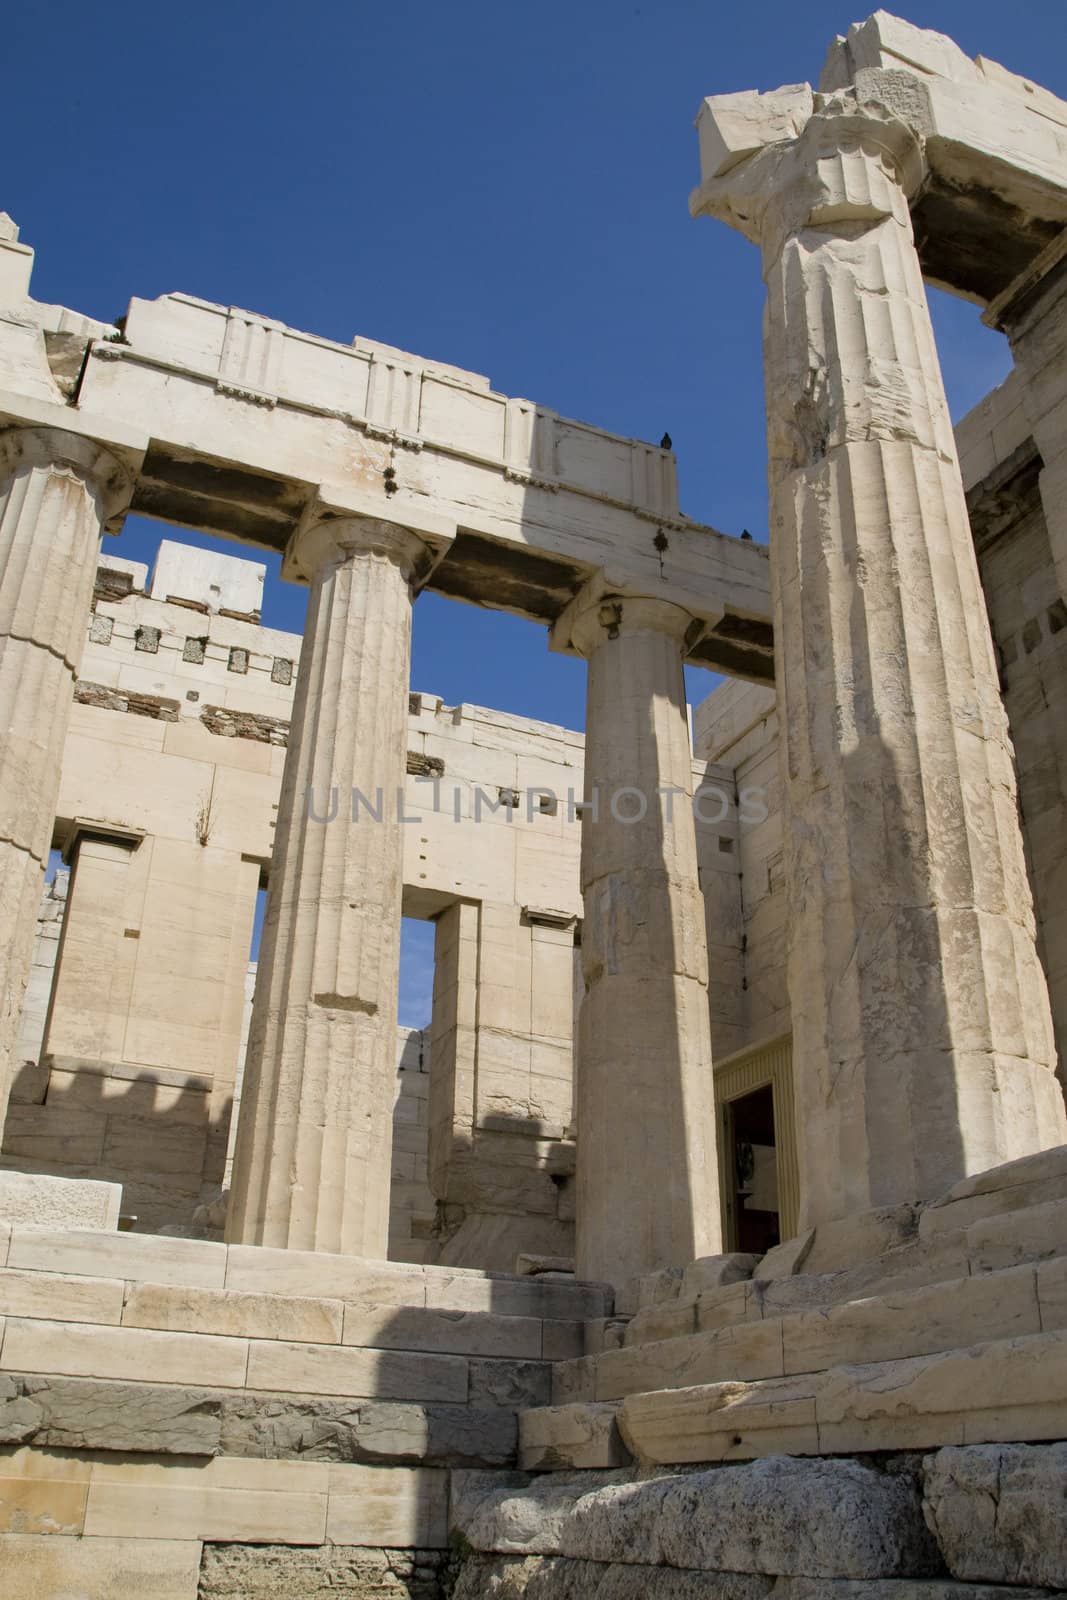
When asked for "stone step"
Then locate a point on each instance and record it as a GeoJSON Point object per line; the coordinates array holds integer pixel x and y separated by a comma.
{"type": "Point", "coordinates": [964, 1233]}
{"type": "Point", "coordinates": [296, 1274]}
{"type": "Point", "coordinates": [1008, 1303]}
{"type": "Point", "coordinates": [997, 1391]}
{"type": "Point", "coordinates": [234, 1313]}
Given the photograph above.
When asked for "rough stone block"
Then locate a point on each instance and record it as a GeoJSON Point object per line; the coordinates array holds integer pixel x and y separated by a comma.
{"type": "Point", "coordinates": [562, 1341]}
{"type": "Point", "coordinates": [832, 1519]}
{"type": "Point", "coordinates": [514, 1384]}
{"type": "Point", "coordinates": [332, 1572]}
{"type": "Point", "coordinates": [321, 1429]}
{"type": "Point", "coordinates": [714, 1272]}
{"type": "Point", "coordinates": [998, 1512]}
{"type": "Point", "coordinates": [83, 1414]}
{"type": "Point", "coordinates": [34, 1200]}
{"type": "Point", "coordinates": [103, 1569]}
{"type": "Point", "coordinates": [815, 1519]}
{"type": "Point", "coordinates": [559, 1578]}
{"type": "Point", "coordinates": [512, 1514]}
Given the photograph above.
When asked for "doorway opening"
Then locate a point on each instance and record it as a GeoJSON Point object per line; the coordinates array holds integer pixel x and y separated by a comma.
{"type": "Point", "coordinates": [750, 1150]}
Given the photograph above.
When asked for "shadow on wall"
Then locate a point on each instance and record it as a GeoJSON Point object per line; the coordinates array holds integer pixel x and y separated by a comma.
{"type": "Point", "coordinates": [165, 1143]}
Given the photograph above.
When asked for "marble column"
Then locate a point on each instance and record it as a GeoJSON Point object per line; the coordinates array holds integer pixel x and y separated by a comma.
{"type": "Point", "coordinates": [58, 494]}
{"type": "Point", "coordinates": [314, 1138]}
{"type": "Point", "coordinates": [647, 1174]}
{"type": "Point", "coordinates": [922, 1037]}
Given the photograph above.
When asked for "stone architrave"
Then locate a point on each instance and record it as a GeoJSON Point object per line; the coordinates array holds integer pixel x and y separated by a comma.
{"type": "Point", "coordinates": [922, 1038]}
{"type": "Point", "coordinates": [647, 1172]}
{"type": "Point", "coordinates": [312, 1162]}
{"type": "Point", "coordinates": [59, 493]}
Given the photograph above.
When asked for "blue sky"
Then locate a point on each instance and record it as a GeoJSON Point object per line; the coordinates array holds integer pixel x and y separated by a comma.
{"type": "Point", "coordinates": [498, 186]}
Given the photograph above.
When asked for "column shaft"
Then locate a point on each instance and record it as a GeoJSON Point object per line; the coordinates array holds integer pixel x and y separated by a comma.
{"type": "Point", "coordinates": [57, 493]}
{"type": "Point", "coordinates": [921, 1022]}
{"type": "Point", "coordinates": [312, 1162]}
{"type": "Point", "coordinates": [647, 1178]}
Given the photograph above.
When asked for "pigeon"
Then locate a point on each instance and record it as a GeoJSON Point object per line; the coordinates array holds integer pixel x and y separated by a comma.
{"type": "Point", "coordinates": [666, 442]}
{"type": "Point", "coordinates": [745, 534]}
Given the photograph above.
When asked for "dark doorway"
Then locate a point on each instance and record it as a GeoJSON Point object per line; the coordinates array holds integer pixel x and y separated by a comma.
{"type": "Point", "coordinates": [752, 1172]}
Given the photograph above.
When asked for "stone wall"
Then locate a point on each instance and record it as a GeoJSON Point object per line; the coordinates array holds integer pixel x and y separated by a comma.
{"type": "Point", "coordinates": [1029, 622]}
{"type": "Point", "coordinates": [983, 1521]}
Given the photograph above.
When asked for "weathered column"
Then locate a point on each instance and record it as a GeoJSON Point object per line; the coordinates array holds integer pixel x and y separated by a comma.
{"type": "Point", "coordinates": [647, 1174]}
{"type": "Point", "coordinates": [922, 1038]}
{"type": "Point", "coordinates": [311, 1168]}
{"type": "Point", "coordinates": [58, 493]}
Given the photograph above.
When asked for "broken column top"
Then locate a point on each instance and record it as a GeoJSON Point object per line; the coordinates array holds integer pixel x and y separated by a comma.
{"type": "Point", "coordinates": [992, 191]}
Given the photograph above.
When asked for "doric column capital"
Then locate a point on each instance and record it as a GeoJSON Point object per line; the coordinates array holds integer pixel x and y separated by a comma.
{"type": "Point", "coordinates": [776, 164]}
{"type": "Point", "coordinates": [72, 455]}
{"type": "Point", "coordinates": [331, 540]}
{"type": "Point", "coordinates": [602, 610]}
{"type": "Point", "coordinates": [341, 522]}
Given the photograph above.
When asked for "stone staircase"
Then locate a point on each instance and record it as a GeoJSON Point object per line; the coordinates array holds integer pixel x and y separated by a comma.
{"type": "Point", "coordinates": [907, 1328]}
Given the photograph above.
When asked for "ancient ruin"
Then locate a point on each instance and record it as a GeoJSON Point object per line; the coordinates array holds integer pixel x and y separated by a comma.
{"type": "Point", "coordinates": [711, 1240]}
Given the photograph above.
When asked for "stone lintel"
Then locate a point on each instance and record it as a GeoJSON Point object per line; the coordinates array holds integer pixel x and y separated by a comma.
{"type": "Point", "coordinates": [1017, 299]}
{"type": "Point", "coordinates": [91, 828]}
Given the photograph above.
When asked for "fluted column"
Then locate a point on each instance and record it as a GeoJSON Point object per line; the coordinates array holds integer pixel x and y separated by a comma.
{"type": "Point", "coordinates": [922, 1038]}
{"type": "Point", "coordinates": [647, 1176]}
{"type": "Point", "coordinates": [58, 492]}
{"type": "Point", "coordinates": [312, 1161]}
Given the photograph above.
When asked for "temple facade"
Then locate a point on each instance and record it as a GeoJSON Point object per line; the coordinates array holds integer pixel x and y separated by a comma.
{"type": "Point", "coordinates": [710, 1238]}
